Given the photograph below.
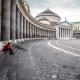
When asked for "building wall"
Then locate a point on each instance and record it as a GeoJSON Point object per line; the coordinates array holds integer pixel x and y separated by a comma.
{"type": "Point", "coordinates": [76, 30]}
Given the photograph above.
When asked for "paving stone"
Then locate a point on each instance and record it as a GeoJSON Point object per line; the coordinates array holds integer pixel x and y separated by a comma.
{"type": "Point", "coordinates": [40, 62]}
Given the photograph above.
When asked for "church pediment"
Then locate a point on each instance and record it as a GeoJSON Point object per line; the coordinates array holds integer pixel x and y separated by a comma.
{"type": "Point", "coordinates": [65, 24]}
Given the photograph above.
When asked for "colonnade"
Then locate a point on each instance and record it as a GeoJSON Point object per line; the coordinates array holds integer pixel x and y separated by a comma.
{"type": "Point", "coordinates": [65, 33]}
{"type": "Point", "coordinates": [14, 25]}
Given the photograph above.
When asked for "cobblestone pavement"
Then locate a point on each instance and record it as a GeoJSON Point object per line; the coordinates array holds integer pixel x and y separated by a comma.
{"type": "Point", "coordinates": [51, 64]}
{"type": "Point", "coordinates": [42, 62]}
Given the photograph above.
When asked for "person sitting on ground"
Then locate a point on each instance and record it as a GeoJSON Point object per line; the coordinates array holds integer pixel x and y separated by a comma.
{"type": "Point", "coordinates": [7, 47]}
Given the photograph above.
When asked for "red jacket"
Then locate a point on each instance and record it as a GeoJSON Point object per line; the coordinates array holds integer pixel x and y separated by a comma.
{"type": "Point", "coordinates": [6, 47]}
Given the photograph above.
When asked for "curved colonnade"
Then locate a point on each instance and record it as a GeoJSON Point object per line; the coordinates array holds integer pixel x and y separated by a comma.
{"type": "Point", "coordinates": [18, 25]}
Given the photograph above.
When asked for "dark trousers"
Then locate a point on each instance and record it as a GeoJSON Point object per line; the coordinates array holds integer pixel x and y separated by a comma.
{"type": "Point", "coordinates": [10, 51]}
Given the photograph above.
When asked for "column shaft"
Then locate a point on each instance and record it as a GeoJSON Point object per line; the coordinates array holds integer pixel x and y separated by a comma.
{"type": "Point", "coordinates": [28, 23]}
{"type": "Point", "coordinates": [5, 28]}
{"type": "Point", "coordinates": [0, 17]}
{"type": "Point", "coordinates": [29, 30]}
{"type": "Point", "coordinates": [13, 20]}
{"type": "Point", "coordinates": [18, 24]}
{"type": "Point", "coordinates": [21, 27]}
{"type": "Point", "coordinates": [24, 28]}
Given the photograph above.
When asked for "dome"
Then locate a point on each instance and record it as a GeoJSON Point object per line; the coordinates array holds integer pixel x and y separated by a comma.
{"type": "Point", "coordinates": [48, 16]}
{"type": "Point", "coordinates": [47, 13]}
{"type": "Point", "coordinates": [43, 18]}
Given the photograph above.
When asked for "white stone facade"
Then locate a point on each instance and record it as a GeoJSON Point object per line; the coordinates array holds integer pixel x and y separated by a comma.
{"type": "Point", "coordinates": [49, 17]}
{"type": "Point", "coordinates": [64, 31]}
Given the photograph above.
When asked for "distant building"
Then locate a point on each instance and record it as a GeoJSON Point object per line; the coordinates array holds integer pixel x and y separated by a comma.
{"type": "Point", "coordinates": [63, 30]}
{"type": "Point", "coordinates": [76, 29]}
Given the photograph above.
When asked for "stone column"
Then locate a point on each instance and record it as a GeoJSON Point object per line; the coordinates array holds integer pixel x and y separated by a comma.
{"type": "Point", "coordinates": [65, 32]}
{"type": "Point", "coordinates": [5, 28]}
{"type": "Point", "coordinates": [24, 28]}
{"type": "Point", "coordinates": [72, 33]}
{"type": "Point", "coordinates": [46, 33]}
{"type": "Point", "coordinates": [34, 31]}
{"type": "Point", "coordinates": [59, 32]}
{"type": "Point", "coordinates": [62, 33]}
{"type": "Point", "coordinates": [29, 30]}
{"type": "Point", "coordinates": [21, 26]}
{"type": "Point", "coordinates": [13, 20]}
{"type": "Point", "coordinates": [68, 33]}
{"type": "Point", "coordinates": [49, 34]}
{"type": "Point", "coordinates": [17, 24]}
{"type": "Point", "coordinates": [28, 23]}
{"type": "Point", "coordinates": [0, 17]}
{"type": "Point", "coordinates": [39, 32]}
{"type": "Point", "coordinates": [43, 33]}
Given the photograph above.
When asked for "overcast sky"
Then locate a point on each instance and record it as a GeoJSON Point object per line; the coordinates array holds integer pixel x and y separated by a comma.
{"type": "Point", "coordinates": [69, 9]}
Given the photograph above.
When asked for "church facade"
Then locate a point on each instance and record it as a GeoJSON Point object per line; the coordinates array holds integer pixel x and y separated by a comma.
{"type": "Point", "coordinates": [63, 30]}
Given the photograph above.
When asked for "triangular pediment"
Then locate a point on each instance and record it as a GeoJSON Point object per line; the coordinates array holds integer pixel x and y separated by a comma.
{"type": "Point", "coordinates": [65, 23]}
